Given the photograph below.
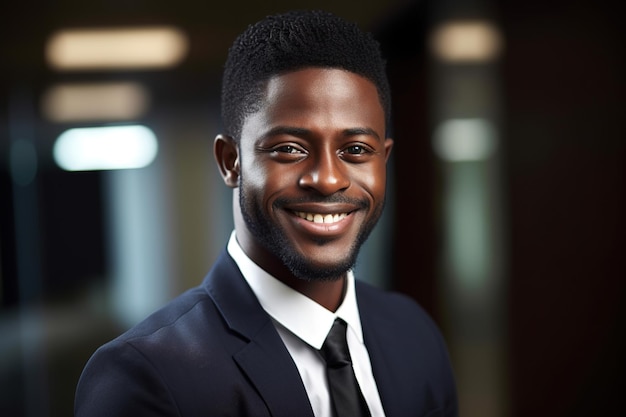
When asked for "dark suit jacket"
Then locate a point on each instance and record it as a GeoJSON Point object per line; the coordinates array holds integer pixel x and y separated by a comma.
{"type": "Point", "coordinates": [213, 351]}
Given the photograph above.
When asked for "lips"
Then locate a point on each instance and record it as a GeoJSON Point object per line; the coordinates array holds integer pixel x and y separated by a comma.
{"type": "Point", "coordinates": [321, 217]}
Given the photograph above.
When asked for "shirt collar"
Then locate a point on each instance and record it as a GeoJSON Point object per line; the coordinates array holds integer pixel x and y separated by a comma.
{"type": "Point", "coordinates": [299, 314]}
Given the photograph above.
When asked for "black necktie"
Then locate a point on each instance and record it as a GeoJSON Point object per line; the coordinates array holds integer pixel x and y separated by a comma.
{"type": "Point", "coordinates": [345, 394]}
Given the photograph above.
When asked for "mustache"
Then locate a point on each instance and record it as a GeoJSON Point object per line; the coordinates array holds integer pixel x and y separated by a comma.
{"type": "Point", "coordinates": [335, 198]}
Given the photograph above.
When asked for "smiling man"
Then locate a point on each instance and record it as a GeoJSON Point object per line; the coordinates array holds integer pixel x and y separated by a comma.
{"type": "Point", "coordinates": [280, 316]}
{"type": "Point", "coordinates": [309, 168]}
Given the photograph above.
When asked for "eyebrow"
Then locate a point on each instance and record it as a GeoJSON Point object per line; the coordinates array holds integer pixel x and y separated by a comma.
{"type": "Point", "coordinates": [287, 130]}
{"type": "Point", "coordinates": [361, 131]}
{"type": "Point", "coordinates": [302, 132]}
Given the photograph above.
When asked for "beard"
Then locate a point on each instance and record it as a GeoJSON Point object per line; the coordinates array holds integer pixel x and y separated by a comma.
{"type": "Point", "coordinates": [274, 239]}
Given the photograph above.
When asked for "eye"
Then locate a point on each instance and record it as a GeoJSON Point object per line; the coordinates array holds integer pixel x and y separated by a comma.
{"type": "Point", "coordinates": [287, 149]}
{"type": "Point", "coordinates": [286, 152]}
{"type": "Point", "coordinates": [355, 150]}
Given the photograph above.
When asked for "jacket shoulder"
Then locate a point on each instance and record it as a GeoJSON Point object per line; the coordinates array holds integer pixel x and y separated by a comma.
{"type": "Point", "coordinates": [407, 350]}
{"type": "Point", "coordinates": [177, 361]}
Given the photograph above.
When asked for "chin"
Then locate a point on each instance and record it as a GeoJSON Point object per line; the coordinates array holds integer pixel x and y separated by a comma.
{"type": "Point", "coordinates": [318, 271]}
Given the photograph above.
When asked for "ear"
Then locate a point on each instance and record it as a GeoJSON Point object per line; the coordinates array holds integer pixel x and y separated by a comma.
{"type": "Point", "coordinates": [388, 146]}
{"type": "Point", "coordinates": [226, 154]}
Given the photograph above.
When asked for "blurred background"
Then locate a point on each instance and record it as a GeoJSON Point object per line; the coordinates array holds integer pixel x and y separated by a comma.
{"type": "Point", "coordinates": [505, 215]}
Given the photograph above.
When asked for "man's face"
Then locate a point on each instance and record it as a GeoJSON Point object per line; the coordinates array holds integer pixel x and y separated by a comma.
{"type": "Point", "coordinates": [312, 177]}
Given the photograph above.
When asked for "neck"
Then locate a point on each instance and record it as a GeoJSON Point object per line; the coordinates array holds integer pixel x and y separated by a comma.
{"type": "Point", "coordinates": [328, 293]}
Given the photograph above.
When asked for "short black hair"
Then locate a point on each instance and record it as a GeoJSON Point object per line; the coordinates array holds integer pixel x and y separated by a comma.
{"type": "Point", "coordinates": [290, 41]}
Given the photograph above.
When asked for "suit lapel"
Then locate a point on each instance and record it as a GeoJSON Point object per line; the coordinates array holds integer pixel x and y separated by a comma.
{"type": "Point", "coordinates": [378, 333]}
{"type": "Point", "coordinates": [374, 337]}
{"type": "Point", "coordinates": [270, 368]}
{"type": "Point", "coordinates": [264, 359]}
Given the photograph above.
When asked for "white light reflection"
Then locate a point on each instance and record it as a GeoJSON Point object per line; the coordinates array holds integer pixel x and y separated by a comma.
{"type": "Point", "coordinates": [105, 148]}
{"type": "Point", "coordinates": [458, 140]}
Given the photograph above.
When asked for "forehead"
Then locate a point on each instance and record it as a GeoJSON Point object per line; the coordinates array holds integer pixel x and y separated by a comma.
{"type": "Point", "coordinates": [320, 97]}
{"type": "Point", "coordinates": [333, 83]}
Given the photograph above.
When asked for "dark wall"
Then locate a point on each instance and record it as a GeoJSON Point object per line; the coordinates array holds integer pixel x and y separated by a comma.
{"type": "Point", "coordinates": [564, 91]}
{"type": "Point", "coordinates": [564, 154]}
{"type": "Point", "coordinates": [415, 243]}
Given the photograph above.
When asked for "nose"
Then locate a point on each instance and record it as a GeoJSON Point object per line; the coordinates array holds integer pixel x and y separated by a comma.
{"type": "Point", "coordinates": [326, 174]}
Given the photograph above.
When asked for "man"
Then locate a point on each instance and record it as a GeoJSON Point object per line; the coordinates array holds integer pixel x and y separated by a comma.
{"type": "Point", "coordinates": [305, 107]}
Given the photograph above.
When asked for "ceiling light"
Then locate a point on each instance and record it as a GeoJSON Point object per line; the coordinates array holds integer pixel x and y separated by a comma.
{"type": "Point", "coordinates": [93, 102]}
{"type": "Point", "coordinates": [466, 41]}
{"type": "Point", "coordinates": [116, 48]}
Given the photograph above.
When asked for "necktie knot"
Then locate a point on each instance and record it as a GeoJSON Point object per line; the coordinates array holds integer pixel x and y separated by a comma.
{"type": "Point", "coordinates": [335, 348]}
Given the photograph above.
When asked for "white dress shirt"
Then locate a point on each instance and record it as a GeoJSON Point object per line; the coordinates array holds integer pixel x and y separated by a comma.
{"type": "Point", "coordinates": [303, 325]}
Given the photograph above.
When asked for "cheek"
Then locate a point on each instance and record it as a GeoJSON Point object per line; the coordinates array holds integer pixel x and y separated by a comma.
{"type": "Point", "coordinates": [253, 173]}
{"type": "Point", "coordinates": [264, 180]}
{"type": "Point", "coordinates": [373, 180]}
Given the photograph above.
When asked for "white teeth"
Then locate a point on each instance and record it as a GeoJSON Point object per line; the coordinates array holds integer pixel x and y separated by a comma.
{"type": "Point", "coordinates": [321, 218]}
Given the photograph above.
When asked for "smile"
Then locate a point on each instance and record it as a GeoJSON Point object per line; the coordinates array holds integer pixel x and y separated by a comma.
{"type": "Point", "coordinates": [321, 218]}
